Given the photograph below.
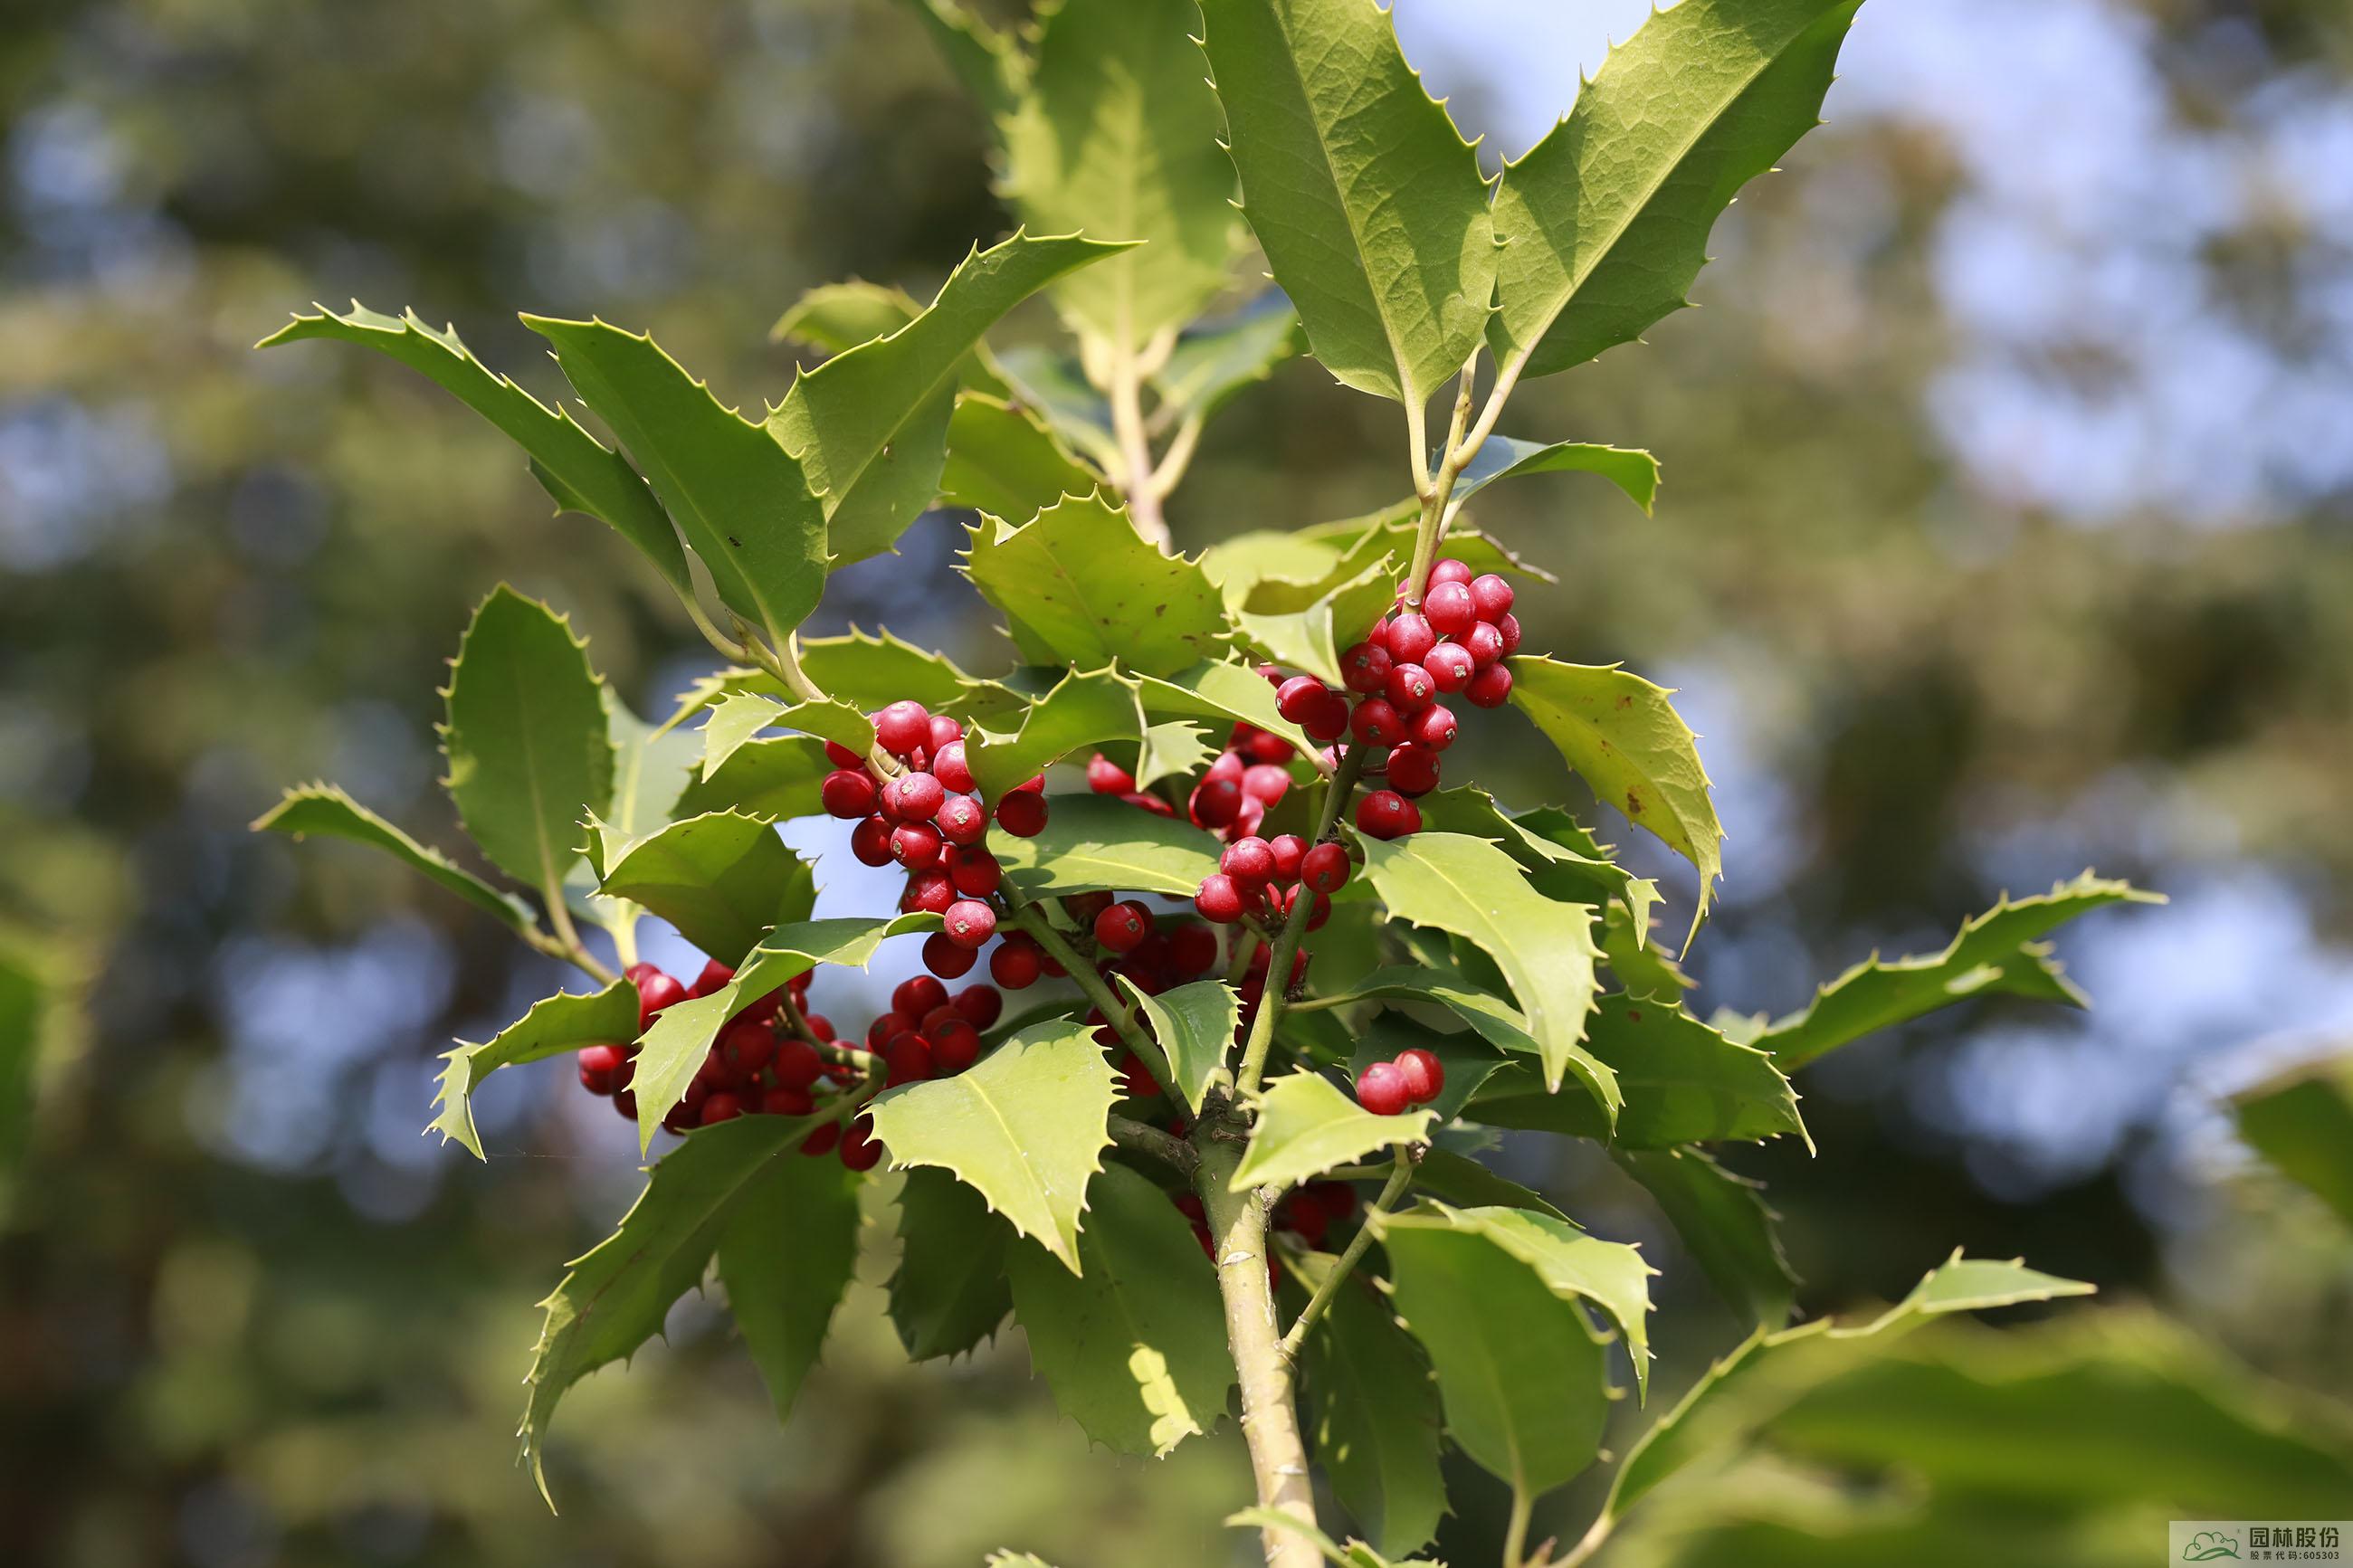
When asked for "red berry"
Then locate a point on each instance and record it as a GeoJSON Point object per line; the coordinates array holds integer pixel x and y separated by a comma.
{"type": "Point", "coordinates": [976, 873]}
{"type": "Point", "coordinates": [1410, 636]}
{"type": "Point", "coordinates": [1016, 964]}
{"type": "Point", "coordinates": [870, 841]}
{"type": "Point", "coordinates": [1490, 687]}
{"type": "Point", "coordinates": [1022, 813]}
{"type": "Point", "coordinates": [1220, 899]}
{"type": "Point", "coordinates": [1192, 950]}
{"type": "Point", "coordinates": [946, 957]}
{"type": "Point", "coordinates": [1423, 1073]}
{"type": "Point", "coordinates": [1410, 687]}
{"type": "Point", "coordinates": [884, 1025]}
{"type": "Point", "coordinates": [859, 1151]}
{"type": "Point", "coordinates": [1265, 782]}
{"type": "Point", "coordinates": [1376, 723]}
{"type": "Point", "coordinates": [747, 1048]}
{"type": "Point", "coordinates": [842, 757]}
{"type": "Point", "coordinates": [914, 797]}
{"type": "Point", "coordinates": [1508, 628]}
{"type": "Point", "coordinates": [946, 731]}
{"type": "Point", "coordinates": [1324, 869]}
{"type": "Point", "coordinates": [949, 767]}
{"type": "Point", "coordinates": [1085, 907]}
{"type": "Point", "coordinates": [1450, 666]}
{"type": "Point", "coordinates": [1383, 815]}
{"type": "Point", "coordinates": [929, 891]}
{"type": "Point", "coordinates": [1226, 768]}
{"type": "Point", "coordinates": [1449, 570]}
{"type": "Point", "coordinates": [1329, 721]}
{"type": "Point", "coordinates": [1450, 608]}
{"type": "Point", "coordinates": [820, 1025]}
{"type": "Point", "coordinates": [1247, 860]}
{"type": "Point", "coordinates": [1484, 644]}
{"type": "Point", "coordinates": [1216, 802]}
{"type": "Point", "coordinates": [909, 1059]}
{"type": "Point", "coordinates": [955, 1046]}
{"type": "Point", "coordinates": [1433, 729]}
{"type": "Point", "coordinates": [1413, 770]}
{"type": "Point", "coordinates": [969, 922]}
{"type": "Point", "coordinates": [600, 1067]}
{"type": "Point", "coordinates": [655, 992]}
{"type": "Point", "coordinates": [1297, 697]}
{"type": "Point", "coordinates": [979, 1005]}
{"type": "Point", "coordinates": [915, 845]}
{"type": "Point", "coordinates": [1107, 777]}
{"type": "Point", "coordinates": [916, 996]}
{"type": "Point", "coordinates": [719, 1107]}
{"type": "Point", "coordinates": [797, 1064]}
{"type": "Point", "coordinates": [961, 820]}
{"type": "Point", "coordinates": [1267, 747]}
{"type": "Point", "coordinates": [1380, 1088]}
{"type": "Point", "coordinates": [1122, 927]}
{"type": "Point", "coordinates": [902, 727]}
{"type": "Point", "coordinates": [846, 794]}
{"type": "Point", "coordinates": [821, 1140]}
{"type": "Point", "coordinates": [1366, 667]}
{"type": "Point", "coordinates": [787, 1102]}
{"type": "Point", "coordinates": [1287, 849]}
{"type": "Point", "coordinates": [715, 975]}
{"type": "Point", "coordinates": [1492, 596]}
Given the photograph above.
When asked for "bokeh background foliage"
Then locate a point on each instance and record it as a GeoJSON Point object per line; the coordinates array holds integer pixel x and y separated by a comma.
{"type": "Point", "coordinates": [2006, 531]}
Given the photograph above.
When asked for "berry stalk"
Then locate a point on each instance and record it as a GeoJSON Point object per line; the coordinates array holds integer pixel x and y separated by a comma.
{"type": "Point", "coordinates": [1286, 940]}
{"type": "Point", "coordinates": [1400, 1178]}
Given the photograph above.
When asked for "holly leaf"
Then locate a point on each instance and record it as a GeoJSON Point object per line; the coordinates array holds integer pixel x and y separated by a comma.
{"type": "Point", "coordinates": [1561, 860]}
{"type": "Point", "coordinates": [837, 317]}
{"type": "Point", "coordinates": [574, 469]}
{"type": "Point", "coordinates": [325, 809]}
{"type": "Point", "coordinates": [650, 769]}
{"type": "Point", "coordinates": [1994, 954]}
{"type": "Point", "coordinates": [1080, 711]}
{"type": "Point", "coordinates": [786, 1251]}
{"type": "Point", "coordinates": [1501, 456]}
{"type": "Point", "coordinates": [744, 504]}
{"type": "Point", "coordinates": [2302, 1121]}
{"type": "Point", "coordinates": [568, 1021]}
{"type": "Point", "coordinates": [1469, 888]}
{"type": "Point", "coordinates": [1214, 359]}
{"type": "Point", "coordinates": [1117, 134]}
{"type": "Point", "coordinates": [1178, 749]}
{"type": "Point", "coordinates": [870, 425]}
{"type": "Point", "coordinates": [1619, 732]}
{"type": "Point", "coordinates": [724, 881]}
{"type": "Point", "coordinates": [871, 671]}
{"type": "Point", "coordinates": [1370, 205]}
{"type": "Point", "coordinates": [1605, 221]}
{"type": "Point", "coordinates": [1684, 1082]}
{"type": "Point", "coordinates": [1194, 1025]}
{"type": "Point", "coordinates": [1611, 1275]}
{"type": "Point", "coordinates": [1054, 385]}
{"type": "Point", "coordinates": [774, 778]}
{"type": "Point", "coordinates": [1025, 1128]}
{"type": "Point", "coordinates": [1641, 967]}
{"type": "Point", "coordinates": [1082, 588]}
{"type": "Point", "coordinates": [1726, 1227]}
{"type": "Point", "coordinates": [1132, 1343]}
{"type": "Point", "coordinates": [1306, 1126]}
{"type": "Point", "coordinates": [1002, 460]}
{"type": "Point", "coordinates": [1523, 1384]}
{"type": "Point", "coordinates": [1312, 640]}
{"type": "Point", "coordinates": [1096, 841]}
{"type": "Point", "coordinates": [1372, 1412]}
{"type": "Point", "coordinates": [1233, 693]}
{"type": "Point", "coordinates": [951, 1290]}
{"type": "Point", "coordinates": [741, 715]}
{"type": "Point", "coordinates": [529, 751]}
{"type": "Point", "coordinates": [1466, 1184]}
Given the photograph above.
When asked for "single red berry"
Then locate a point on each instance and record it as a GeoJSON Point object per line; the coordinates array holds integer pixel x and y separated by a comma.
{"type": "Point", "coordinates": [1423, 1073]}
{"type": "Point", "coordinates": [1324, 869]}
{"type": "Point", "coordinates": [1016, 963]}
{"type": "Point", "coordinates": [1286, 850]}
{"type": "Point", "coordinates": [1484, 644]}
{"type": "Point", "coordinates": [1216, 802]}
{"type": "Point", "coordinates": [1329, 721]}
{"type": "Point", "coordinates": [916, 996]}
{"type": "Point", "coordinates": [1266, 746]}
{"type": "Point", "coordinates": [1377, 722]}
{"type": "Point", "coordinates": [715, 975]}
{"type": "Point", "coordinates": [1192, 950]}
{"type": "Point", "coordinates": [955, 1046]}
{"type": "Point", "coordinates": [797, 1064]}
{"type": "Point", "coordinates": [1382, 815]}
{"type": "Point", "coordinates": [1413, 770]}
{"type": "Point", "coordinates": [842, 757]}
{"type": "Point", "coordinates": [1492, 596]}
{"type": "Point", "coordinates": [1107, 777]}
{"type": "Point", "coordinates": [915, 845]}
{"type": "Point", "coordinates": [719, 1107]}
{"type": "Point", "coordinates": [1226, 768]}
{"type": "Point", "coordinates": [1450, 666]}
{"type": "Point", "coordinates": [969, 923]}
{"type": "Point", "coordinates": [1366, 667]}
{"type": "Point", "coordinates": [936, 1016]}
{"type": "Point", "coordinates": [909, 1059]}
{"type": "Point", "coordinates": [1449, 570]}
{"type": "Point", "coordinates": [859, 1151]}
{"type": "Point", "coordinates": [884, 1025]}
{"type": "Point", "coordinates": [976, 873]}
{"type": "Point", "coordinates": [846, 793]}
{"type": "Point", "coordinates": [929, 891]}
{"type": "Point", "coordinates": [787, 1102]}
{"type": "Point", "coordinates": [821, 1140]}
{"type": "Point", "coordinates": [1122, 927]}
{"type": "Point", "coordinates": [978, 1005]}
{"type": "Point", "coordinates": [1265, 782]}
{"type": "Point", "coordinates": [948, 958]}
{"type": "Point", "coordinates": [820, 1025]}
{"type": "Point", "coordinates": [1508, 628]}
{"type": "Point", "coordinates": [1490, 687]}
{"type": "Point", "coordinates": [600, 1067]}
{"type": "Point", "coordinates": [903, 727]}
{"type": "Point", "coordinates": [912, 797]}
{"type": "Point", "coordinates": [1450, 608]}
{"type": "Point", "coordinates": [1247, 860]}
{"type": "Point", "coordinates": [747, 1048]}
{"type": "Point", "coordinates": [1220, 899]}
{"type": "Point", "coordinates": [946, 731]}
{"type": "Point", "coordinates": [870, 841]}
{"type": "Point", "coordinates": [949, 767]}
{"type": "Point", "coordinates": [1022, 813]}
{"type": "Point", "coordinates": [961, 820]}
{"type": "Point", "coordinates": [1380, 1088]}
{"type": "Point", "coordinates": [1085, 907]}
{"type": "Point", "coordinates": [1296, 697]}
{"type": "Point", "coordinates": [1410, 687]}
{"type": "Point", "coordinates": [656, 991]}
{"type": "Point", "coordinates": [1410, 636]}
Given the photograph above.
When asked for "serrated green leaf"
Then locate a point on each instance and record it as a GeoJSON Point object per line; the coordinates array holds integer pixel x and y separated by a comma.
{"type": "Point", "coordinates": [724, 881]}
{"type": "Point", "coordinates": [1962, 1285]}
{"type": "Point", "coordinates": [950, 1292]}
{"type": "Point", "coordinates": [986, 59]}
{"type": "Point", "coordinates": [1195, 1025]}
{"type": "Point", "coordinates": [1178, 749]}
{"type": "Point", "coordinates": [1605, 221]}
{"type": "Point", "coordinates": [743, 503]}
{"type": "Point", "coordinates": [776, 778]}
{"type": "Point", "coordinates": [1501, 456]}
{"type": "Point", "coordinates": [1610, 1273]}
{"type": "Point", "coordinates": [1233, 692]}
{"type": "Point", "coordinates": [1561, 860]}
{"type": "Point", "coordinates": [1683, 1083]}
{"type": "Point", "coordinates": [1726, 1227]}
{"type": "Point", "coordinates": [1080, 711]}
{"type": "Point", "coordinates": [837, 317]}
{"type": "Point", "coordinates": [567, 1021]}
{"type": "Point", "coordinates": [1025, 1128]}
{"type": "Point", "coordinates": [871, 671]}
{"type": "Point", "coordinates": [1214, 359]}
{"type": "Point", "coordinates": [1306, 1126]}
{"type": "Point", "coordinates": [1372, 1412]}
{"type": "Point", "coordinates": [1523, 1384]}
{"type": "Point", "coordinates": [1641, 968]}
{"type": "Point", "coordinates": [1468, 886]}
{"type": "Point", "coordinates": [1312, 640]}
{"type": "Point", "coordinates": [1096, 841]}
{"type": "Point", "coordinates": [870, 425]}
{"type": "Point", "coordinates": [650, 770]}
{"type": "Point", "coordinates": [615, 1296]}
{"type": "Point", "coordinates": [1003, 461]}
{"type": "Point", "coordinates": [578, 471]}
{"type": "Point", "coordinates": [1370, 207]}
{"type": "Point", "coordinates": [786, 1250]}
{"type": "Point", "coordinates": [1082, 588]}
{"type": "Point", "coordinates": [2302, 1121]}
{"type": "Point", "coordinates": [674, 1046]}
{"type": "Point", "coordinates": [1133, 1342]}
{"type": "Point", "coordinates": [739, 716]}
{"type": "Point", "coordinates": [1617, 731]}
{"type": "Point", "coordinates": [326, 809]}
{"type": "Point", "coordinates": [1116, 133]}
{"type": "Point", "coordinates": [529, 751]}
{"type": "Point", "coordinates": [1993, 953]}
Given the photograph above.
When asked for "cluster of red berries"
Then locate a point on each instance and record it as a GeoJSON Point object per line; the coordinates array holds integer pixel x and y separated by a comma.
{"type": "Point", "coordinates": [1273, 875]}
{"type": "Point", "coordinates": [1414, 1077]}
{"type": "Point", "coordinates": [761, 1066]}
{"type": "Point", "coordinates": [929, 819]}
{"type": "Point", "coordinates": [1247, 781]}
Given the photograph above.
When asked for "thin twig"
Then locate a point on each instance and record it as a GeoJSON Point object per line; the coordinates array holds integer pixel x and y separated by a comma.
{"type": "Point", "coordinates": [1167, 1148]}
{"type": "Point", "coordinates": [1352, 1254]}
{"type": "Point", "coordinates": [1081, 969]}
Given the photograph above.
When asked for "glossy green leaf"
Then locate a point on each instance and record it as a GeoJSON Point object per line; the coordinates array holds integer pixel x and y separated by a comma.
{"type": "Point", "coordinates": [740, 716]}
{"type": "Point", "coordinates": [1195, 1026]}
{"type": "Point", "coordinates": [1619, 732]}
{"type": "Point", "coordinates": [1025, 1128]}
{"type": "Point", "coordinates": [869, 672]}
{"type": "Point", "coordinates": [1561, 860]}
{"type": "Point", "coordinates": [1233, 693]}
{"type": "Point", "coordinates": [1994, 954]}
{"type": "Point", "coordinates": [1178, 749]}
{"type": "Point", "coordinates": [567, 1021]}
{"type": "Point", "coordinates": [1306, 1126]}
{"type": "Point", "coordinates": [870, 425]}
{"type": "Point", "coordinates": [1312, 640]}
{"type": "Point", "coordinates": [1684, 1082]}
{"type": "Point", "coordinates": [951, 1290]}
{"type": "Point", "coordinates": [2302, 1121]}
{"type": "Point", "coordinates": [1213, 361]}
{"type": "Point", "coordinates": [1605, 221]}
{"type": "Point", "coordinates": [1133, 1341]}
{"type": "Point", "coordinates": [1500, 458]}
{"type": "Point", "coordinates": [724, 881]}
{"type": "Point", "coordinates": [1055, 387]}
{"type": "Point", "coordinates": [837, 317]}
{"type": "Point", "coordinates": [786, 1250]}
{"type": "Point", "coordinates": [1640, 967]}
{"type": "Point", "coordinates": [1118, 135]}
{"type": "Point", "coordinates": [774, 778]}
{"type": "Point", "coordinates": [1454, 883]}
{"type": "Point", "coordinates": [1373, 1415]}
{"type": "Point", "coordinates": [577, 471]}
{"type": "Point", "coordinates": [1081, 589]}
{"type": "Point", "coordinates": [1003, 461]}
{"type": "Point", "coordinates": [651, 768]}
{"type": "Point", "coordinates": [1726, 1227]}
{"type": "Point", "coordinates": [529, 752]}
{"type": "Point", "coordinates": [1097, 841]}
{"type": "Point", "coordinates": [326, 810]}
{"type": "Point", "coordinates": [744, 504]}
{"type": "Point", "coordinates": [1611, 1275]}
{"type": "Point", "coordinates": [1370, 207]}
{"type": "Point", "coordinates": [1083, 711]}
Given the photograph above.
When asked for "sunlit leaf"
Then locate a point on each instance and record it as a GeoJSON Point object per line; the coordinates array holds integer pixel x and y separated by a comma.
{"type": "Point", "coordinates": [1194, 1027]}
{"type": "Point", "coordinates": [1501, 456]}
{"type": "Point", "coordinates": [1083, 589]}
{"type": "Point", "coordinates": [1081, 712]}
{"type": "Point", "coordinates": [554, 1025]}
{"type": "Point", "coordinates": [1684, 1082]}
{"type": "Point", "coordinates": [1095, 841]}
{"type": "Point", "coordinates": [724, 881]}
{"type": "Point", "coordinates": [1305, 1127]}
